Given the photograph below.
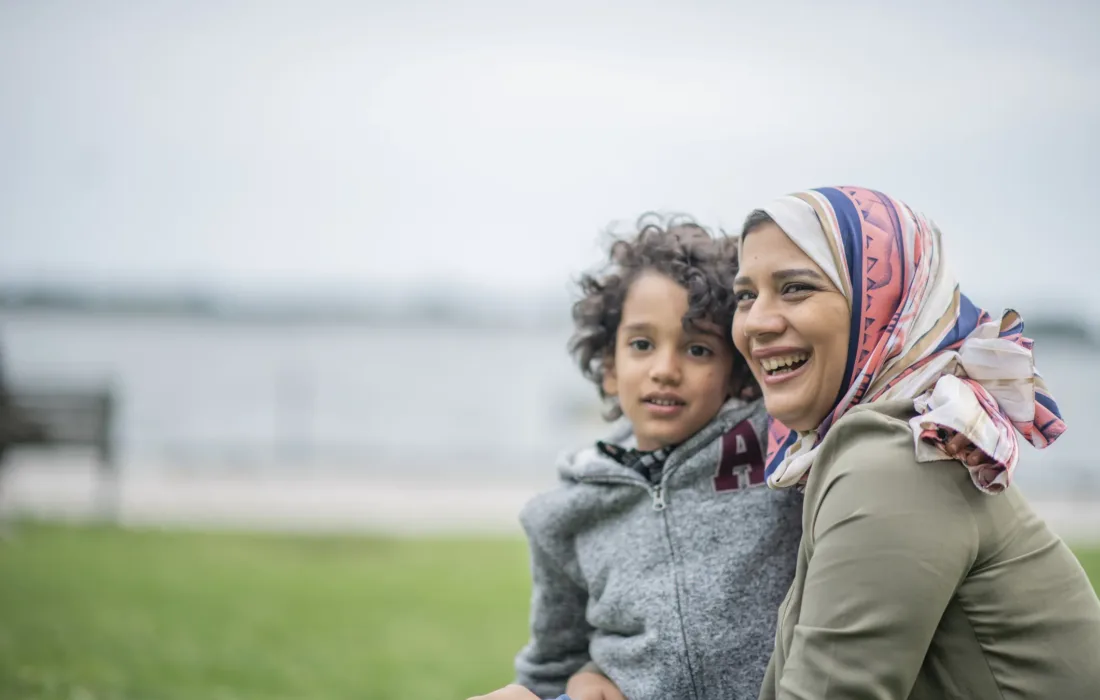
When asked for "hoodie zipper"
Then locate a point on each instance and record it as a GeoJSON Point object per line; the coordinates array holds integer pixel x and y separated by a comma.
{"type": "Point", "coordinates": [660, 505]}
{"type": "Point", "coordinates": [657, 493]}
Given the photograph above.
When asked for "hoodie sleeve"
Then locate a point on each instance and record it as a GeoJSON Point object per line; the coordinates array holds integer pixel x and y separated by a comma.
{"type": "Point", "coordinates": [558, 646]}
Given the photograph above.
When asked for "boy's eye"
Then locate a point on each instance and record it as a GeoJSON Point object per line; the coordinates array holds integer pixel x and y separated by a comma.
{"type": "Point", "coordinates": [641, 344]}
{"type": "Point", "coordinates": [700, 351]}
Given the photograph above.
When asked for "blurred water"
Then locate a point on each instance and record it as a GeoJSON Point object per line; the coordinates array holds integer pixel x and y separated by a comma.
{"type": "Point", "coordinates": [487, 404]}
{"type": "Point", "coordinates": [209, 394]}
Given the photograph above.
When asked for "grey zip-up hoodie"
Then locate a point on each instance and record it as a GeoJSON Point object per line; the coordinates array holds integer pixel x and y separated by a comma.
{"type": "Point", "coordinates": [673, 588]}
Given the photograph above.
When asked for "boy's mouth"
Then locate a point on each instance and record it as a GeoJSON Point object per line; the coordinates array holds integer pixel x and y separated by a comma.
{"type": "Point", "coordinates": [663, 400]}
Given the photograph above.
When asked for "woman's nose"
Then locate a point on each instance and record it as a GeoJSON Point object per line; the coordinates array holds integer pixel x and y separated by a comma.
{"type": "Point", "coordinates": [763, 318]}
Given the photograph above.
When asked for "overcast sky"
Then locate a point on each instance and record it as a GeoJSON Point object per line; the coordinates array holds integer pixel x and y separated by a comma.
{"type": "Point", "coordinates": [274, 145]}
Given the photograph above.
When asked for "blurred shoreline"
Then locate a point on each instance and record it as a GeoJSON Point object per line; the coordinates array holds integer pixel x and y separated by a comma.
{"type": "Point", "coordinates": [329, 501]}
{"type": "Point", "coordinates": [420, 305]}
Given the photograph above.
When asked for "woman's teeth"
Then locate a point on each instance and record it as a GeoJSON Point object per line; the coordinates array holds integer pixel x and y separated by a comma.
{"type": "Point", "coordinates": [785, 363]}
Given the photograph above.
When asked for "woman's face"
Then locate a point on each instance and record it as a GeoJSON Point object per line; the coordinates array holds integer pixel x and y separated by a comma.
{"type": "Point", "coordinates": [791, 324]}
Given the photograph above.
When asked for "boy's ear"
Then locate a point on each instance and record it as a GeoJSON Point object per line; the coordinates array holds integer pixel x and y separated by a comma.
{"type": "Point", "coordinates": [610, 383]}
{"type": "Point", "coordinates": [743, 385]}
{"type": "Point", "coordinates": [733, 387]}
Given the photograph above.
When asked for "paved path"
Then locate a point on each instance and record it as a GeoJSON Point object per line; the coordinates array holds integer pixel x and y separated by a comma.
{"type": "Point", "coordinates": [333, 501]}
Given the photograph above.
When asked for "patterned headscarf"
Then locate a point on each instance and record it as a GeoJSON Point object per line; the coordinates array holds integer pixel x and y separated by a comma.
{"type": "Point", "coordinates": [913, 335]}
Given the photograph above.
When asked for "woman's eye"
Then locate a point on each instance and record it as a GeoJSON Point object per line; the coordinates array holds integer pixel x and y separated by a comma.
{"type": "Point", "coordinates": [743, 296]}
{"type": "Point", "coordinates": [641, 345]}
{"type": "Point", "coordinates": [797, 288]}
{"type": "Point", "coordinates": [700, 351]}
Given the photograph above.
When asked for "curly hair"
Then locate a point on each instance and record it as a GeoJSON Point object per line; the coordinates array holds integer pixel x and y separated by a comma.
{"type": "Point", "coordinates": [682, 250]}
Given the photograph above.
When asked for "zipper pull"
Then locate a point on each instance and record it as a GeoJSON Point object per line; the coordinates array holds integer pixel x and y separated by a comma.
{"type": "Point", "coordinates": [658, 498]}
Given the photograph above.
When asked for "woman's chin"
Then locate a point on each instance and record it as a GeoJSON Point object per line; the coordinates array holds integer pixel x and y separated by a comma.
{"type": "Point", "coordinates": [778, 408]}
{"type": "Point", "coordinates": [790, 413]}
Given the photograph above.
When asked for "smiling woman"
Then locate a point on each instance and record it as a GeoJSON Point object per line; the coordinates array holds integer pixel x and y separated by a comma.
{"type": "Point", "coordinates": [799, 319]}
{"type": "Point", "coordinates": [910, 582]}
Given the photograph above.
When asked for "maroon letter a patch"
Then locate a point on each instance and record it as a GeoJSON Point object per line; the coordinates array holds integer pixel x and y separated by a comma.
{"type": "Point", "coordinates": [742, 463]}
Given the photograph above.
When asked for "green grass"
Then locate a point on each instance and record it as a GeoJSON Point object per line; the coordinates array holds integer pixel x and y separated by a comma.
{"type": "Point", "coordinates": [100, 613]}
{"type": "Point", "coordinates": [92, 614]}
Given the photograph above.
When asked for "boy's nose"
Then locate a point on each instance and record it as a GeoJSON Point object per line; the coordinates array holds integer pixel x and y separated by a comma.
{"type": "Point", "coordinates": [666, 369]}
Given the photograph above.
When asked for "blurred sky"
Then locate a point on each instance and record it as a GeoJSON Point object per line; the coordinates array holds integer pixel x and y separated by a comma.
{"type": "Point", "coordinates": [273, 145]}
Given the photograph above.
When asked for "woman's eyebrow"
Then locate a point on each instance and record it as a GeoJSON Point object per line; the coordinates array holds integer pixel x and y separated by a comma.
{"type": "Point", "coordinates": [781, 275]}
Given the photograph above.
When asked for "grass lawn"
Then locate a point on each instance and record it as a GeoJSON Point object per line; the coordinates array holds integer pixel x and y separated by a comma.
{"type": "Point", "coordinates": [100, 613]}
{"type": "Point", "coordinates": [91, 614]}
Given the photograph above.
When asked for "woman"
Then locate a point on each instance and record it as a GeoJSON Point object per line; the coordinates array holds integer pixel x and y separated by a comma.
{"type": "Point", "coordinates": [911, 580]}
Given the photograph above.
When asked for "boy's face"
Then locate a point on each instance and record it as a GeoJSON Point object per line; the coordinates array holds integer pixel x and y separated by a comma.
{"type": "Point", "coordinates": [669, 381]}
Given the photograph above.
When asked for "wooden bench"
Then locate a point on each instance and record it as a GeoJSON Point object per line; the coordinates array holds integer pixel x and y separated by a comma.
{"type": "Point", "coordinates": [49, 416]}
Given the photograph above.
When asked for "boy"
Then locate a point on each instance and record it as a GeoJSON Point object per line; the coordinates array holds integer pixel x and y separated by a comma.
{"type": "Point", "coordinates": [662, 557]}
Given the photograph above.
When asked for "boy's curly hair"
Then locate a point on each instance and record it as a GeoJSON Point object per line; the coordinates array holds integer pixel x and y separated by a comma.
{"type": "Point", "coordinates": [677, 247]}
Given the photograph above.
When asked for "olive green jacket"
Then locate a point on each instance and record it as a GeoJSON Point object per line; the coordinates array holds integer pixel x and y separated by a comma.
{"type": "Point", "coordinates": [911, 583]}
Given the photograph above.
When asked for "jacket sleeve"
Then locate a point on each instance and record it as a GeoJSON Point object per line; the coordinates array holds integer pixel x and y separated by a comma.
{"type": "Point", "coordinates": [558, 646]}
{"type": "Point", "coordinates": [891, 542]}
